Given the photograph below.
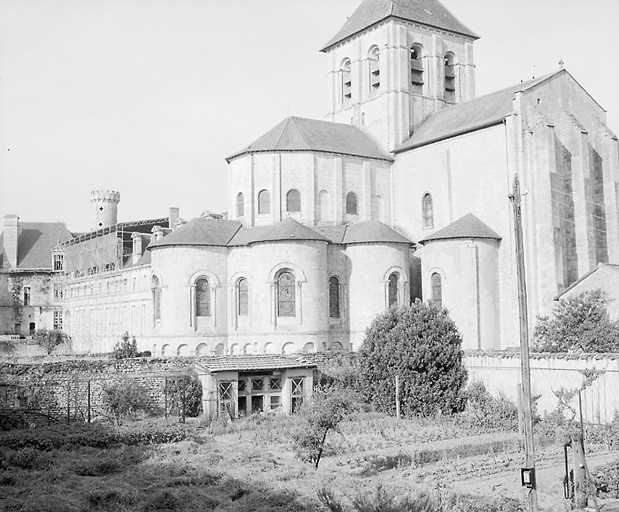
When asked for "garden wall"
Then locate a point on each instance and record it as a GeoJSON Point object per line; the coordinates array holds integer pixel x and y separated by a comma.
{"type": "Point", "coordinates": [500, 372]}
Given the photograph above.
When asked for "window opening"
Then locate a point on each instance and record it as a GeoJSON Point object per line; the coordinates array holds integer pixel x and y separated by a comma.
{"type": "Point", "coordinates": [257, 384]}
{"type": "Point", "coordinates": [374, 60]}
{"type": "Point", "coordinates": [297, 393]}
{"type": "Point", "coordinates": [416, 69]}
{"type": "Point", "coordinates": [57, 320]}
{"type": "Point", "coordinates": [437, 289]}
{"type": "Point", "coordinates": [240, 205]}
{"type": "Point", "coordinates": [275, 384]}
{"type": "Point", "coordinates": [334, 297]}
{"type": "Point", "coordinates": [264, 202]}
{"type": "Point", "coordinates": [293, 201]}
{"type": "Point", "coordinates": [286, 294]}
{"type": "Point", "coordinates": [450, 77]}
{"type": "Point", "coordinates": [203, 297]}
{"type": "Point", "coordinates": [346, 77]}
{"type": "Point", "coordinates": [352, 207]}
{"type": "Point", "coordinates": [58, 261]}
{"type": "Point", "coordinates": [427, 211]}
{"type": "Point", "coordinates": [243, 298]}
{"type": "Point", "coordinates": [226, 393]}
{"type": "Point", "coordinates": [393, 289]}
{"type": "Point", "coordinates": [156, 298]}
{"type": "Point", "coordinates": [26, 295]}
{"type": "Point", "coordinates": [276, 402]}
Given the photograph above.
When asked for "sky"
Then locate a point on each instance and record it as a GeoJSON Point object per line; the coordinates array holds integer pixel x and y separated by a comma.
{"type": "Point", "coordinates": [148, 97]}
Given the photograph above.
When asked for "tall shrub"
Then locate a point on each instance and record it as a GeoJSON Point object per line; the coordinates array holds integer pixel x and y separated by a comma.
{"type": "Point", "coordinates": [125, 398]}
{"type": "Point", "coordinates": [126, 347]}
{"type": "Point", "coordinates": [422, 345]}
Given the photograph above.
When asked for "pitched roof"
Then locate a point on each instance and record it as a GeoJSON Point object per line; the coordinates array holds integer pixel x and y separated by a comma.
{"type": "Point", "coordinates": [425, 12]}
{"type": "Point", "coordinates": [372, 231]}
{"type": "Point", "coordinates": [469, 116]}
{"type": "Point", "coordinates": [301, 134]}
{"type": "Point", "coordinates": [35, 242]}
{"type": "Point", "coordinates": [287, 229]}
{"type": "Point", "coordinates": [200, 231]}
{"type": "Point", "coordinates": [613, 267]}
{"type": "Point", "coordinates": [253, 363]}
{"type": "Point", "coordinates": [468, 226]}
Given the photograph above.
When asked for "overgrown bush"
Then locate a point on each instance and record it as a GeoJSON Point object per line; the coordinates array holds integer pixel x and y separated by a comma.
{"type": "Point", "coordinates": [489, 411]}
{"type": "Point", "coordinates": [189, 389]}
{"type": "Point", "coordinates": [578, 323]}
{"type": "Point", "coordinates": [127, 347]}
{"type": "Point", "coordinates": [49, 340]}
{"type": "Point", "coordinates": [125, 398]}
{"type": "Point", "coordinates": [338, 370]}
{"type": "Point", "coordinates": [422, 345]}
{"type": "Point", "coordinates": [606, 479]}
{"type": "Point", "coordinates": [24, 458]}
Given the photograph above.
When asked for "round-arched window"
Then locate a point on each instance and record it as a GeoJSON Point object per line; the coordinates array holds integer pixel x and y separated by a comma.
{"type": "Point", "coordinates": [264, 202]}
{"type": "Point", "coordinates": [203, 297]}
{"type": "Point", "coordinates": [240, 205]}
{"type": "Point", "coordinates": [293, 201]}
{"type": "Point", "coordinates": [286, 294]}
{"type": "Point", "coordinates": [393, 289]}
{"type": "Point", "coordinates": [352, 205]}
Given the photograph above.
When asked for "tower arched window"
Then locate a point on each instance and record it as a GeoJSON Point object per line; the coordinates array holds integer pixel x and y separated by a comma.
{"type": "Point", "coordinates": [242, 297]}
{"type": "Point", "coordinates": [374, 69]}
{"type": "Point", "coordinates": [392, 291]}
{"type": "Point", "coordinates": [346, 82]}
{"type": "Point", "coordinates": [352, 205]}
{"type": "Point", "coordinates": [334, 297]}
{"type": "Point", "coordinates": [264, 202]}
{"type": "Point", "coordinates": [293, 201]}
{"type": "Point", "coordinates": [156, 287]}
{"type": "Point", "coordinates": [427, 212]}
{"type": "Point", "coordinates": [203, 297]}
{"type": "Point", "coordinates": [285, 284]}
{"type": "Point", "coordinates": [450, 77]}
{"type": "Point", "coordinates": [240, 205]}
{"type": "Point", "coordinates": [437, 289]}
{"type": "Point", "coordinates": [416, 68]}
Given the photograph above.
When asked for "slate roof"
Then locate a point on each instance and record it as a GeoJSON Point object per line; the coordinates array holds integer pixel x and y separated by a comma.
{"type": "Point", "coordinates": [287, 229]}
{"type": "Point", "coordinates": [201, 231]}
{"type": "Point", "coordinates": [425, 12]}
{"type": "Point", "coordinates": [253, 363]}
{"type": "Point", "coordinates": [35, 242]}
{"type": "Point", "coordinates": [469, 116]}
{"type": "Point", "coordinates": [468, 226]}
{"type": "Point", "coordinates": [613, 267]}
{"type": "Point", "coordinates": [372, 231]}
{"type": "Point", "coordinates": [301, 134]}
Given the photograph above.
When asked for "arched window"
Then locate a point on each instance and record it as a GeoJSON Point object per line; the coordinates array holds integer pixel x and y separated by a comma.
{"type": "Point", "coordinates": [346, 85]}
{"type": "Point", "coordinates": [352, 207]}
{"type": "Point", "coordinates": [293, 201]}
{"type": "Point", "coordinates": [323, 207]}
{"type": "Point", "coordinates": [243, 297]}
{"type": "Point", "coordinates": [203, 297]}
{"type": "Point", "coordinates": [393, 289]}
{"type": "Point", "coordinates": [264, 201]}
{"type": "Point", "coordinates": [374, 68]}
{"type": "Point", "coordinates": [156, 286]}
{"type": "Point", "coordinates": [285, 284]}
{"type": "Point", "coordinates": [437, 289]}
{"type": "Point", "coordinates": [427, 212]}
{"type": "Point", "coordinates": [416, 68]}
{"type": "Point", "coordinates": [334, 297]}
{"type": "Point", "coordinates": [450, 77]}
{"type": "Point", "coordinates": [240, 205]}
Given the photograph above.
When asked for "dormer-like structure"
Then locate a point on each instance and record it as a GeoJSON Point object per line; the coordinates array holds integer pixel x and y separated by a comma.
{"type": "Point", "coordinates": [394, 63]}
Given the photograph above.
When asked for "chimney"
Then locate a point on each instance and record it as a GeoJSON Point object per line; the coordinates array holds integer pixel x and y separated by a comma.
{"type": "Point", "coordinates": [180, 222]}
{"type": "Point", "coordinates": [173, 218]}
{"type": "Point", "coordinates": [137, 247]}
{"type": "Point", "coordinates": [11, 232]}
{"type": "Point", "coordinates": [157, 233]}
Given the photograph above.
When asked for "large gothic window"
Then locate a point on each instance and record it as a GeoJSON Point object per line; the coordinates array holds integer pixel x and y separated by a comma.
{"type": "Point", "coordinates": [416, 69]}
{"type": "Point", "coordinates": [427, 211]}
{"type": "Point", "coordinates": [334, 297]}
{"type": "Point", "coordinates": [240, 205]}
{"type": "Point", "coordinates": [450, 77]}
{"type": "Point", "coordinates": [393, 289]}
{"type": "Point", "coordinates": [437, 289]}
{"type": "Point", "coordinates": [243, 297]}
{"type": "Point", "coordinates": [293, 201]}
{"type": "Point", "coordinates": [346, 85]}
{"type": "Point", "coordinates": [203, 297]}
{"type": "Point", "coordinates": [156, 286]}
{"type": "Point", "coordinates": [285, 294]}
{"type": "Point", "coordinates": [374, 68]}
{"type": "Point", "coordinates": [264, 202]}
{"type": "Point", "coordinates": [352, 205]}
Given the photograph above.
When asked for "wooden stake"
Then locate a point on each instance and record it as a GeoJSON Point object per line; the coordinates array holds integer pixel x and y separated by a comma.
{"type": "Point", "coordinates": [527, 419]}
{"type": "Point", "coordinates": [397, 396]}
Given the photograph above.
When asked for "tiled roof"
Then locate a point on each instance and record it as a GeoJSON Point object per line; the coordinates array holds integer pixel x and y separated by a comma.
{"type": "Point", "coordinates": [334, 233]}
{"type": "Point", "coordinates": [287, 229]}
{"type": "Point", "coordinates": [201, 231]}
{"type": "Point", "coordinates": [468, 226]}
{"type": "Point", "coordinates": [301, 134]}
{"type": "Point", "coordinates": [253, 363]}
{"type": "Point", "coordinates": [425, 12]}
{"type": "Point", "coordinates": [35, 242]}
{"type": "Point", "coordinates": [469, 116]}
{"type": "Point", "coordinates": [373, 231]}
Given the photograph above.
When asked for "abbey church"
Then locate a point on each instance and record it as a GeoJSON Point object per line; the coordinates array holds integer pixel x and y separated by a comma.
{"type": "Point", "coordinates": [401, 192]}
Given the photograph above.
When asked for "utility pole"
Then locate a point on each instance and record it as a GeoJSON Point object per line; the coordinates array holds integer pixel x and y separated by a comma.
{"type": "Point", "coordinates": [527, 420]}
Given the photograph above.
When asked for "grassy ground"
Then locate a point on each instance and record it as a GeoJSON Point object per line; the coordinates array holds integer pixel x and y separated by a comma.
{"type": "Point", "coordinates": [250, 465]}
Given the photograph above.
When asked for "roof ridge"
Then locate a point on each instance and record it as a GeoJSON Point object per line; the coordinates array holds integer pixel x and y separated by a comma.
{"type": "Point", "coordinates": [285, 124]}
{"type": "Point", "coordinates": [307, 144]}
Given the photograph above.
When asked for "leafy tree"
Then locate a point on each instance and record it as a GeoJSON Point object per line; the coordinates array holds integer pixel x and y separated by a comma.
{"type": "Point", "coordinates": [192, 394]}
{"type": "Point", "coordinates": [49, 340]}
{"type": "Point", "coordinates": [422, 345]}
{"type": "Point", "coordinates": [578, 323]}
{"type": "Point", "coordinates": [324, 413]}
{"type": "Point", "coordinates": [126, 348]}
{"type": "Point", "coordinates": [125, 398]}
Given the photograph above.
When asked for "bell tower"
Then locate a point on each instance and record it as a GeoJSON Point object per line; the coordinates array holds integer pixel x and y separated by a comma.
{"type": "Point", "coordinates": [394, 63]}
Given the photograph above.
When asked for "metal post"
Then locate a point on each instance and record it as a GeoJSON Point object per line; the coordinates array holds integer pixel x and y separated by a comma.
{"type": "Point", "coordinates": [184, 381]}
{"type": "Point", "coordinates": [397, 396]}
{"type": "Point", "coordinates": [88, 389]}
{"type": "Point", "coordinates": [68, 402]}
{"type": "Point", "coordinates": [527, 419]}
{"type": "Point", "coordinates": [165, 397]}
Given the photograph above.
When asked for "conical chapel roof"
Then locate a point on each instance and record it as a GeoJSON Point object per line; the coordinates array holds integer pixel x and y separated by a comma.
{"type": "Point", "coordinates": [424, 12]}
{"type": "Point", "coordinates": [468, 226]}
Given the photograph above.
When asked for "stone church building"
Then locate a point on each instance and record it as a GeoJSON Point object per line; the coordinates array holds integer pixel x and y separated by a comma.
{"type": "Point", "coordinates": [402, 192]}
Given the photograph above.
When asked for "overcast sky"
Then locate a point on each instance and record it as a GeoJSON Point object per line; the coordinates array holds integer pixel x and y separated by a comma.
{"type": "Point", "coordinates": [148, 97]}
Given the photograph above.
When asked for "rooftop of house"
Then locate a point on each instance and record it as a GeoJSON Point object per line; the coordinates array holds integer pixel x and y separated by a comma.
{"type": "Point", "coordinates": [35, 241]}
{"type": "Point", "coordinates": [468, 226]}
{"type": "Point", "coordinates": [425, 12]}
{"type": "Point", "coordinates": [254, 362]}
{"type": "Point", "coordinates": [300, 134]}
